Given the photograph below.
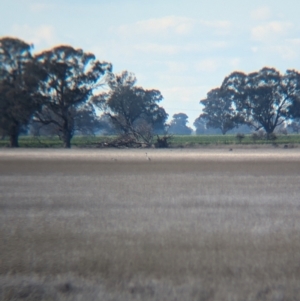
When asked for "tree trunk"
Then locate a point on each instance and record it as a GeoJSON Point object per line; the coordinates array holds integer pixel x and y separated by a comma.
{"type": "Point", "coordinates": [67, 144]}
{"type": "Point", "coordinates": [67, 139]}
{"type": "Point", "coordinates": [13, 138]}
{"type": "Point", "coordinates": [66, 133]}
{"type": "Point", "coordinates": [269, 132]}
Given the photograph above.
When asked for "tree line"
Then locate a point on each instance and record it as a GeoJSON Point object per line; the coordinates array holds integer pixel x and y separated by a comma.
{"type": "Point", "coordinates": [59, 92]}
{"type": "Point", "coordinates": [263, 100]}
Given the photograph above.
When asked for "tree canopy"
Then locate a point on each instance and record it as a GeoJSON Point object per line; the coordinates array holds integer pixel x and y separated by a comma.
{"type": "Point", "coordinates": [219, 111]}
{"type": "Point", "coordinates": [261, 98]}
{"type": "Point", "coordinates": [72, 75]}
{"type": "Point", "coordinates": [53, 92]}
{"type": "Point", "coordinates": [132, 110]}
{"type": "Point", "coordinates": [178, 125]}
{"type": "Point", "coordinates": [293, 87]}
{"type": "Point", "coordinates": [19, 97]}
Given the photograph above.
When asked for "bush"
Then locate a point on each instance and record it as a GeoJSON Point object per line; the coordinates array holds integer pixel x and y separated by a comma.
{"type": "Point", "coordinates": [258, 135]}
{"type": "Point", "coordinates": [163, 142]}
{"type": "Point", "coordinates": [271, 136]}
{"type": "Point", "coordinates": [239, 137]}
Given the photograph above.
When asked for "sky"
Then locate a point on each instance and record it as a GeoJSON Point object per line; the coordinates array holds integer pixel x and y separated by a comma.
{"type": "Point", "coordinates": [181, 48]}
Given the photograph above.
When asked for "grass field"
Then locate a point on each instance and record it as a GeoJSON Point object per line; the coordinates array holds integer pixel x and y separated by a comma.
{"type": "Point", "coordinates": [209, 140]}
{"type": "Point", "coordinates": [176, 141]}
{"type": "Point", "coordinates": [189, 224]}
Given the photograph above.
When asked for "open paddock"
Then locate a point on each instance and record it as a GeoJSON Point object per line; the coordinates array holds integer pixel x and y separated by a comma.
{"type": "Point", "coordinates": [147, 224]}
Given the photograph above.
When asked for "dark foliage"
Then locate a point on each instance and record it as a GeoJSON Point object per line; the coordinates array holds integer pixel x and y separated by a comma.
{"type": "Point", "coordinates": [219, 111]}
{"type": "Point", "coordinates": [19, 96]}
{"type": "Point", "coordinates": [132, 110]}
{"type": "Point", "coordinates": [200, 125]}
{"type": "Point", "coordinates": [178, 125]}
{"type": "Point", "coordinates": [239, 137]}
{"type": "Point", "coordinates": [293, 79]}
{"type": "Point", "coordinates": [163, 141]}
{"type": "Point", "coordinates": [85, 121]}
{"type": "Point", "coordinates": [261, 98]}
{"type": "Point", "coordinates": [72, 75]}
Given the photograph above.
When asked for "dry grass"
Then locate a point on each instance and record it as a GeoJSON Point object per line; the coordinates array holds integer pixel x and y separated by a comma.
{"type": "Point", "coordinates": [187, 225]}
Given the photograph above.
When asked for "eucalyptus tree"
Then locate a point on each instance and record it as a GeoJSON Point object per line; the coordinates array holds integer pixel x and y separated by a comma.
{"type": "Point", "coordinates": [85, 122]}
{"type": "Point", "coordinates": [72, 76]}
{"type": "Point", "coordinates": [262, 98]}
{"type": "Point", "coordinates": [19, 96]}
{"type": "Point", "coordinates": [293, 80]}
{"type": "Point", "coordinates": [200, 125]}
{"type": "Point", "coordinates": [132, 110]}
{"type": "Point", "coordinates": [178, 125]}
{"type": "Point", "coordinates": [219, 111]}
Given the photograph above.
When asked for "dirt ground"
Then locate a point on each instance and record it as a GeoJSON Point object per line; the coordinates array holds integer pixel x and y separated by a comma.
{"type": "Point", "coordinates": [150, 224]}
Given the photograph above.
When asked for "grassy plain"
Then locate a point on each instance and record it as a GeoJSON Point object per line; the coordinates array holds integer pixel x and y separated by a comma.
{"type": "Point", "coordinates": [181, 225]}
{"type": "Point", "coordinates": [187, 141]}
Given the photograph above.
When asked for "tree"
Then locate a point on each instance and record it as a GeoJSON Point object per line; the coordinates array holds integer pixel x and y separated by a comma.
{"type": "Point", "coordinates": [106, 125]}
{"type": "Point", "coordinates": [261, 98]}
{"type": "Point", "coordinates": [200, 125]}
{"type": "Point", "coordinates": [132, 110]}
{"type": "Point", "coordinates": [72, 75]}
{"type": "Point", "coordinates": [219, 112]}
{"type": "Point", "coordinates": [85, 121]}
{"type": "Point", "coordinates": [19, 98]}
{"type": "Point", "coordinates": [293, 79]}
{"type": "Point", "coordinates": [294, 126]}
{"type": "Point", "coordinates": [178, 125]}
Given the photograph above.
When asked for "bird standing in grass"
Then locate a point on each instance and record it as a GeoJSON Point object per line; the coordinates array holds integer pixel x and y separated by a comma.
{"type": "Point", "coordinates": [149, 159]}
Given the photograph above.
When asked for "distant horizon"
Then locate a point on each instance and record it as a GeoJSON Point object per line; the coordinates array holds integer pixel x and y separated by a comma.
{"type": "Point", "coordinates": [183, 49]}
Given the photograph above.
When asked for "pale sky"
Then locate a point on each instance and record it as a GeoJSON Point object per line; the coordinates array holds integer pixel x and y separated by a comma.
{"type": "Point", "coordinates": [182, 48]}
